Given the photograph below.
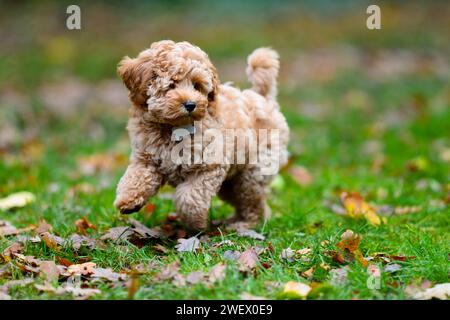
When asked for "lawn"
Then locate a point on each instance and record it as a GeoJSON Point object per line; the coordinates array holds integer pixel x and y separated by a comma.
{"type": "Point", "coordinates": [369, 113]}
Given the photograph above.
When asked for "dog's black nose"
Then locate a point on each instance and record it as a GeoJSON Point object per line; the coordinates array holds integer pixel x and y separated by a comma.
{"type": "Point", "coordinates": [189, 105]}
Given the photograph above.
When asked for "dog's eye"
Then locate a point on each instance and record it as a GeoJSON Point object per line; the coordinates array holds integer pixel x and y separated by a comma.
{"type": "Point", "coordinates": [197, 86]}
{"type": "Point", "coordinates": [172, 86]}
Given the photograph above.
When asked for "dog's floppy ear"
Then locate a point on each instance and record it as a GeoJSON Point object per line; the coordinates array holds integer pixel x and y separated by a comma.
{"type": "Point", "coordinates": [131, 72]}
{"type": "Point", "coordinates": [213, 94]}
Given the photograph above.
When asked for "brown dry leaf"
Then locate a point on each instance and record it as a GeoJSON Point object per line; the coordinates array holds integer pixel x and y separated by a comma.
{"type": "Point", "coordinates": [304, 251]}
{"type": "Point", "coordinates": [107, 274]}
{"type": "Point", "coordinates": [350, 243]}
{"type": "Point", "coordinates": [49, 270]}
{"type": "Point", "coordinates": [169, 271]}
{"type": "Point", "coordinates": [300, 175]}
{"type": "Point", "coordinates": [309, 273]}
{"type": "Point", "coordinates": [287, 254]}
{"type": "Point", "coordinates": [84, 293]}
{"type": "Point", "coordinates": [223, 243]}
{"type": "Point", "coordinates": [63, 261]}
{"type": "Point", "coordinates": [231, 255]}
{"type": "Point", "coordinates": [78, 241]}
{"type": "Point", "coordinates": [356, 207]}
{"type": "Point", "coordinates": [83, 224]}
{"type": "Point", "coordinates": [440, 291]}
{"type": "Point", "coordinates": [161, 248]}
{"type": "Point", "coordinates": [149, 209]}
{"type": "Point", "coordinates": [179, 280]}
{"type": "Point", "coordinates": [250, 234]}
{"type": "Point", "coordinates": [187, 245]}
{"type": "Point", "coordinates": [16, 247]}
{"type": "Point", "coordinates": [15, 283]}
{"type": "Point", "coordinates": [248, 260]}
{"type": "Point", "coordinates": [84, 269]}
{"type": "Point", "coordinates": [118, 233]}
{"type": "Point", "coordinates": [217, 273]}
{"type": "Point", "coordinates": [195, 277]}
{"type": "Point", "coordinates": [7, 229]}
{"type": "Point", "coordinates": [102, 162]}
{"type": "Point", "coordinates": [144, 232]}
{"type": "Point", "coordinates": [27, 263]}
{"type": "Point", "coordinates": [407, 209]}
{"type": "Point", "coordinates": [51, 241]}
{"type": "Point", "coordinates": [43, 227]}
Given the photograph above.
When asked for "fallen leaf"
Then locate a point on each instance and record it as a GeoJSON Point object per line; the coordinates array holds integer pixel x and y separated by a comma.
{"type": "Point", "coordinates": [106, 274]}
{"type": "Point", "coordinates": [304, 251]}
{"type": "Point", "coordinates": [179, 280]}
{"type": "Point", "coordinates": [144, 232]}
{"type": "Point", "coordinates": [168, 272]}
{"type": "Point", "coordinates": [300, 175]}
{"type": "Point", "coordinates": [250, 234]}
{"type": "Point", "coordinates": [83, 224]}
{"type": "Point", "coordinates": [440, 291]}
{"type": "Point", "coordinates": [87, 268]}
{"type": "Point", "coordinates": [16, 247]}
{"type": "Point", "coordinates": [149, 209]}
{"type": "Point", "coordinates": [231, 255]}
{"type": "Point", "coordinates": [401, 258]}
{"type": "Point", "coordinates": [248, 260]}
{"type": "Point", "coordinates": [63, 261]}
{"type": "Point", "coordinates": [78, 241]}
{"type": "Point", "coordinates": [7, 229]}
{"type": "Point", "coordinates": [356, 207]}
{"type": "Point", "coordinates": [16, 200]}
{"type": "Point", "coordinates": [195, 277]}
{"type": "Point", "coordinates": [223, 243]}
{"type": "Point", "coordinates": [325, 266]}
{"type": "Point", "coordinates": [77, 291]}
{"type": "Point", "coordinates": [51, 241]}
{"type": "Point", "coordinates": [49, 270]}
{"type": "Point", "coordinates": [43, 227]}
{"type": "Point", "coordinates": [350, 243]}
{"type": "Point", "coordinates": [217, 273]}
{"type": "Point", "coordinates": [296, 290]}
{"type": "Point", "coordinates": [102, 162]}
{"type": "Point", "coordinates": [308, 273]}
{"type": "Point", "coordinates": [187, 245]}
{"type": "Point", "coordinates": [339, 276]}
{"type": "Point", "coordinates": [161, 248]}
{"type": "Point", "coordinates": [287, 254]}
{"type": "Point", "coordinates": [117, 233]}
{"type": "Point", "coordinates": [392, 268]}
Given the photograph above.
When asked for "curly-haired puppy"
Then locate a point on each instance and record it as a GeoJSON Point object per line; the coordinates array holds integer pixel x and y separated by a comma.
{"type": "Point", "coordinates": [173, 85]}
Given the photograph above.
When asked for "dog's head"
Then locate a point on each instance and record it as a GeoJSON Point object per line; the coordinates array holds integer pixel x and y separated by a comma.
{"type": "Point", "coordinates": [175, 83]}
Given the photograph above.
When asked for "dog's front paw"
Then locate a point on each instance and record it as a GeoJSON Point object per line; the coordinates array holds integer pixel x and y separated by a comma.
{"type": "Point", "coordinates": [127, 205]}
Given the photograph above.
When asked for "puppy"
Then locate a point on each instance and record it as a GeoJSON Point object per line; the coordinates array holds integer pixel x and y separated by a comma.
{"type": "Point", "coordinates": [175, 85]}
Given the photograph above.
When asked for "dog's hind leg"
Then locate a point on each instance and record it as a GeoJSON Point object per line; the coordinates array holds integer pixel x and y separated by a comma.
{"type": "Point", "coordinates": [246, 193]}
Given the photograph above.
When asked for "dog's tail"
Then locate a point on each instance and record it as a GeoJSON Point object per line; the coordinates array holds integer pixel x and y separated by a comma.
{"type": "Point", "coordinates": [262, 71]}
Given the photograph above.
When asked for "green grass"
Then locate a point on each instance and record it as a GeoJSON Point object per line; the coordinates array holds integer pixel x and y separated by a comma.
{"type": "Point", "coordinates": [407, 117]}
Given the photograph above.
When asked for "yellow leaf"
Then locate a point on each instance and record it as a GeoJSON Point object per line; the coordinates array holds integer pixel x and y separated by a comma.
{"type": "Point", "coordinates": [16, 200]}
{"type": "Point", "coordinates": [356, 207]}
{"type": "Point", "coordinates": [296, 290]}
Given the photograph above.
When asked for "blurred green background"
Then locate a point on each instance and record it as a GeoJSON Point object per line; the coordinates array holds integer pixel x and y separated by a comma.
{"type": "Point", "coordinates": [369, 111]}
